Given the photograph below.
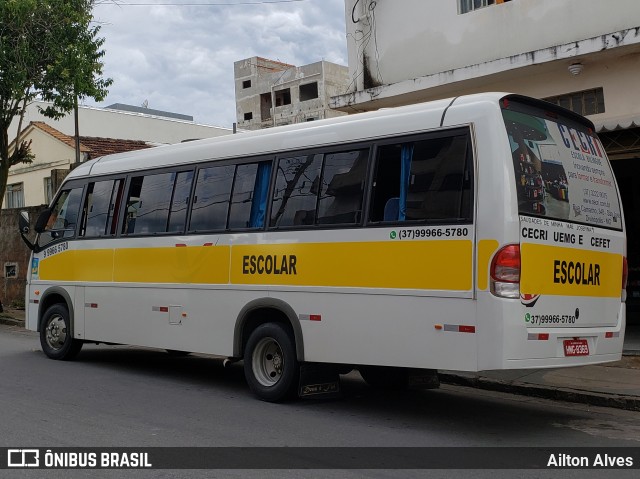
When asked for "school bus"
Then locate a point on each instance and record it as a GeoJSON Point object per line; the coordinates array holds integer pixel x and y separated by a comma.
{"type": "Point", "coordinates": [483, 232]}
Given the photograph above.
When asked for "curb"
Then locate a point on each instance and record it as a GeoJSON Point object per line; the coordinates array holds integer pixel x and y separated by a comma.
{"type": "Point", "coordinates": [630, 403]}
{"type": "Point", "coordinates": [8, 320]}
{"type": "Point", "coordinates": [11, 321]}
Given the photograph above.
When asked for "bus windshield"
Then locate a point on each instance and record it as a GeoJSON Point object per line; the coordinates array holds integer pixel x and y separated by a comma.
{"type": "Point", "coordinates": [561, 168]}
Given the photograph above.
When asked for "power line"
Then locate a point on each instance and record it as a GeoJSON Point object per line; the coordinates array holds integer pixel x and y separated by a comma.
{"type": "Point", "coordinates": [201, 4]}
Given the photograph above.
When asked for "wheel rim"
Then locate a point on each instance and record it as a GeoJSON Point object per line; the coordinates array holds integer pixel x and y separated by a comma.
{"type": "Point", "coordinates": [268, 362]}
{"type": "Point", "coordinates": [56, 332]}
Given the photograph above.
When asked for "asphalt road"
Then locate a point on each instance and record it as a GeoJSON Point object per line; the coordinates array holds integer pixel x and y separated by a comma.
{"type": "Point", "coordinates": [117, 396]}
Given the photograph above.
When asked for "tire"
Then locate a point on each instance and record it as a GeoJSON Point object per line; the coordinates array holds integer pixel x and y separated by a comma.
{"type": "Point", "coordinates": [55, 334]}
{"type": "Point", "coordinates": [270, 364]}
{"type": "Point", "coordinates": [385, 378]}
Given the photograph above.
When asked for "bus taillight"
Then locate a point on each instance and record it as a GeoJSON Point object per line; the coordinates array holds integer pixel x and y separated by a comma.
{"type": "Point", "coordinates": [625, 277]}
{"type": "Point", "coordinates": [505, 272]}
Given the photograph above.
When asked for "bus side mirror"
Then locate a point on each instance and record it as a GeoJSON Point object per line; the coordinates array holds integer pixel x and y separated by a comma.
{"type": "Point", "coordinates": [41, 222]}
{"type": "Point", "coordinates": [23, 222]}
{"type": "Point", "coordinates": [23, 226]}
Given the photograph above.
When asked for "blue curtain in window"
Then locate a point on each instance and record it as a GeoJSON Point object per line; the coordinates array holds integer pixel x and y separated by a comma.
{"type": "Point", "coordinates": [259, 203]}
{"type": "Point", "coordinates": [405, 172]}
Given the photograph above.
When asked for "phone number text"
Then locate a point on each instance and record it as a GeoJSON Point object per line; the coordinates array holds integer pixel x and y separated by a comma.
{"type": "Point", "coordinates": [433, 233]}
{"type": "Point", "coordinates": [551, 319]}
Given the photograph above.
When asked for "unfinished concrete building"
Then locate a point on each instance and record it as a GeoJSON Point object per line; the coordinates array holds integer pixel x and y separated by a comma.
{"type": "Point", "coordinates": [271, 93]}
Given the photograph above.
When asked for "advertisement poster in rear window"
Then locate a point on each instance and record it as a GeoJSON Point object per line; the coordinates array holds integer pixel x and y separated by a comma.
{"type": "Point", "coordinates": [561, 171]}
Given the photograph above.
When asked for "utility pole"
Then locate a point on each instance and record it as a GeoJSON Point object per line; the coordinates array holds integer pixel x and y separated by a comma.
{"type": "Point", "coordinates": [77, 128]}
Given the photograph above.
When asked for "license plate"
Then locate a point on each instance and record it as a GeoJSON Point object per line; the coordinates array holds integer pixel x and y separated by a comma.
{"type": "Point", "coordinates": [576, 347]}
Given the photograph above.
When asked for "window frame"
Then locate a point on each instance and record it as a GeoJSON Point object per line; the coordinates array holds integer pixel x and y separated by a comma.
{"type": "Point", "coordinates": [10, 190]}
{"type": "Point", "coordinates": [598, 93]}
{"type": "Point", "coordinates": [373, 146]}
{"type": "Point", "coordinates": [109, 219]}
{"type": "Point", "coordinates": [48, 190]}
{"type": "Point", "coordinates": [329, 149]}
{"type": "Point", "coordinates": [73, 184]}
{"type": "Point", "coordinates": [425, 136]}
{"type": "Point", "coordinates": [150, 172]}
{"type": "Point", "coordinates": [231, 162]}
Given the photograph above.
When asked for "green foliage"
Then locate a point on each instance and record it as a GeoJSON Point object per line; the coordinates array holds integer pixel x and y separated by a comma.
{"type": "Point", "coordinates": [50, 50]}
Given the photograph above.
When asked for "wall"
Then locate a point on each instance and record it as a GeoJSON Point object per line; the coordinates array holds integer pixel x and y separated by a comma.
{"type": "Point", "coordinates": [13, 250]}
{"type": "Point", "coordinates": [415, 38]}
{"type": "Point", "coordinates": [616, 74]}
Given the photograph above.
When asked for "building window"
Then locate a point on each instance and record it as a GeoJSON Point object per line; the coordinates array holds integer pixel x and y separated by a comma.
{"type": "Point", "coordinates": [248, 116]}
{"type": "Point", "coordinates": [587, 102]}
{"type": "Point", "coordinates": [48, 190]}
{"type": "Point", "coordinates": [14, 197]}
{"type": "Point", "coordinates": [265, 106]}
{"type": "Point", "coordinates": [283, 97]}
{"type": "Point", "coordinates": [246, 84]}
{"type": "Point", "coordinates": [466, 6]}
{"type": "Point", "coordinates": [309, 91]}
{"type": "Point", "coordinates": [10, 270]}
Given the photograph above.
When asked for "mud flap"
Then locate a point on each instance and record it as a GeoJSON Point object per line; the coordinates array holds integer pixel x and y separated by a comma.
{"type": "Point", "coordinates": [318, 380]}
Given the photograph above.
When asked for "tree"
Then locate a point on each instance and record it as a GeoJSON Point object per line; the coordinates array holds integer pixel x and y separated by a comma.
{"type": "Point", "coordinates": [49, 50]}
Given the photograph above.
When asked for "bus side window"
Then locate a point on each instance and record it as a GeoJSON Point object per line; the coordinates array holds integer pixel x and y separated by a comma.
{"type": "Point", "coordinates": [423, 180]}
{"type": "Point", "coordinates": [342, 187]}
{"type": "Point", "coordinates": [296, 191]}
{"type": "Point", "coordinates": [99, 208]}
{"type": "Point", "coordinates": [211, 199]}
{"type": "Point", "coordinates": [439, 181]}
{"type": "Point", "coordinates": [249, 197]}
{"type": "Point", "coordinates": [64, 217]}
{"type": "Point", "coordinates": [386, 184]}
{"type": "Point", "coordinates": [180, 202]}
{"type": "Point", "coordinates": [148, 204]}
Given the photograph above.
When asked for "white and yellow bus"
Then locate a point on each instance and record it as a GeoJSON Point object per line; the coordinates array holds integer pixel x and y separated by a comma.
{"type": "Point", "coordinates": [477, 233]}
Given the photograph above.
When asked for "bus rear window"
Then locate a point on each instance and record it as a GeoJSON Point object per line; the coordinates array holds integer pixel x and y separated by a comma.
{"type": "Point", "coordinates": [561, 168]}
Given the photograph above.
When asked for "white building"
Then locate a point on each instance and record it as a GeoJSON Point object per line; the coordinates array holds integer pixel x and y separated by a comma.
{"type": "Point", "coordinates": [270, 93]}
{"type": "Point", "coordinates": [581, 54]}
{"type": "Point", "coordinates": [134, 123]}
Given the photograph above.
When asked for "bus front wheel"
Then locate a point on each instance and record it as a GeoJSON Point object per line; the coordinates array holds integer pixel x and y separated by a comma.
{"type": "Point", "coordinates": [270, 364]}
{"type": "Point", "coordinates": [55, 334]}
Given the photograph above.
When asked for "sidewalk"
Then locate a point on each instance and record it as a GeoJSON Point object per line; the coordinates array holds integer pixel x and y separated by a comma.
{"type": "Point", "coordinates": [608, 385]}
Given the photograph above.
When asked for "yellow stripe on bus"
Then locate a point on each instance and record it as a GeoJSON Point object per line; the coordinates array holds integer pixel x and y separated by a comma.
{"type": "Point", "coordinates": [195, 264]}
{"type": "Point", "coordinates": [553, 270]}
{"type": "Point", "coordinates": [78, 265]}
{"type": "Point", "coordinates": [435, 265]}
{"type": "Point", "coordinates": [438, 265]}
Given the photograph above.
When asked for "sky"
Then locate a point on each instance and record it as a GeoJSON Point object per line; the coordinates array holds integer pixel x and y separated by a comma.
{"type": "Point", "coordinates": [178, 55]}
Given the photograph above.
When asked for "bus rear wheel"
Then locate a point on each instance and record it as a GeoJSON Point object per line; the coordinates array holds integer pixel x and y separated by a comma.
{"type": "Point", "coordinates": [55, 334]}
{"type": "Point", "coordinates": [270, 364]}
